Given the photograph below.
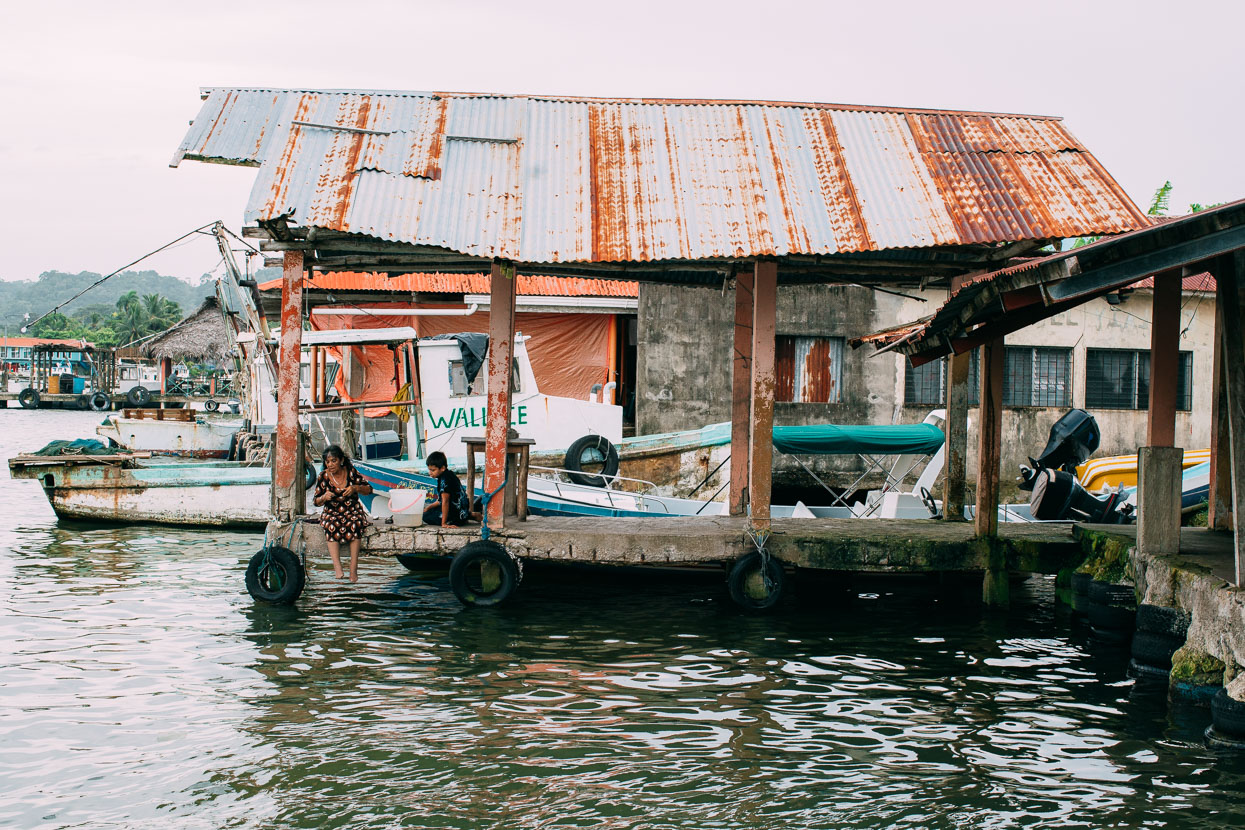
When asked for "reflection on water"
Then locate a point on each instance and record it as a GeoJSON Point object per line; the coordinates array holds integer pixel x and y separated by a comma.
{"type": "Point", "coordinates": [142, 687]}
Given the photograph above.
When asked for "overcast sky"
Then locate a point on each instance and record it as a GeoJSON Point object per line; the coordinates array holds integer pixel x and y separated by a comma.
{"type": "Point", "coordinates": [98, 95]}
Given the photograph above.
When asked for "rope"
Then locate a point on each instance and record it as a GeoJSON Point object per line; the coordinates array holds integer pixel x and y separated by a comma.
{"type": "Point", "coordinates": [759, 539]}
{"type": "Point", "coordinates": [484, 531]}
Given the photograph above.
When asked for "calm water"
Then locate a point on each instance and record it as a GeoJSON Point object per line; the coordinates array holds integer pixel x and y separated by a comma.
{"type": "Point", "coordinates": [142, 688]}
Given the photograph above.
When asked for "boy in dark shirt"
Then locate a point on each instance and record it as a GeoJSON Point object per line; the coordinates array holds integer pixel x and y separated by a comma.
{"type": "Point", "coordinates": [450, 506]}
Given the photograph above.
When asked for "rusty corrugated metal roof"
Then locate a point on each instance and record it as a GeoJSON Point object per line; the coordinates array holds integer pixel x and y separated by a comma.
{"type": "Point", "coordinates": [1010, 298]}
{"type": "Point", "coordinates": [462, 284]}
{"type": "Point", "coordinates": [561, 180]}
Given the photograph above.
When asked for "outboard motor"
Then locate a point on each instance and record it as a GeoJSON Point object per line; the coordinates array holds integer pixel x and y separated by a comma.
{"type": "Point", "coordinates": [1073, 439]}
{"type": "Point", "coordinates": [1058, 495]}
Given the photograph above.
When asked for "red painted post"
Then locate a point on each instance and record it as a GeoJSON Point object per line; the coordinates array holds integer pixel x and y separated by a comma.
{"type": "Point", "coordinates": [989, 446]}
{"type": "Point", "coordinates": [500, 357]}
{"type": "Point", "coordinates": [761, 441]}
{"type": "Point", "coordinates": [741, 394]}
{"type": "Point", "coordinates": [1164, 359]}
{"type": "Point", "coordinates": [285, 460]}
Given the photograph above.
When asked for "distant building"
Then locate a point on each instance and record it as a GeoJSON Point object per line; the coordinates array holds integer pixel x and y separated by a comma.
{"type": "Point", "coordinates": [15, 351]}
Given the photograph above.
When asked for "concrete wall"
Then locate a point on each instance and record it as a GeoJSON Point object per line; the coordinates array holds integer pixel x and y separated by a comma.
{"type": "Point", "coordinates": [684, 362]}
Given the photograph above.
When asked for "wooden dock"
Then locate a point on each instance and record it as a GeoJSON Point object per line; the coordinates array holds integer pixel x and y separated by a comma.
{"type": "Point", "coordinates": [115, 401]}
{"type": "Point", "coordinates": [870, 545]}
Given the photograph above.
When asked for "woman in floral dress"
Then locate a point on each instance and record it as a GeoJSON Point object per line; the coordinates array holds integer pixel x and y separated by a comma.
{"type": "Point", "coordinates": [337, 490]}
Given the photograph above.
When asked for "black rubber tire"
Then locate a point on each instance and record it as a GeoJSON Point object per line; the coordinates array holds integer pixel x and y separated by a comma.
{"type": "Point", "coordinates": [1111, 636]}
{"type": "Point", "coordinates": [1217, 740]}
{"type": "Point", "coordinates": [28, 398]}
{"type": "Point", "coordinates": [138, 396]}
{"type": "Point", "coordinates": [1111, 617]}
{"type": "Point", "coordinates": [1109, 593]}
{"type": "Point", "coordinates": [309, 478]}
{"type": "Point", "coordinates": [467, 584]}
{"type": "Point", "coordinates": [281, 581]}
{"type": "Point", "coordinates": [747, 583]}
{"type": "Point", "coordinates": [1162, 619]}
{"type": "Point", "coordinates": [575, 460]}
{"type": "Point", "coordinates": [1228, 716]}
{"type": "Point", "coordinates": [1142, 671]}
{"type": "Point", "coordinates": [1080, 605]}
{"type": "Point", "coordinates": [233, 446]}
{"type": "Point", "coordinates": [1155, 650]}
{"type": "Point", "coordinates": [211, 405]}
{"type": "Point", "coordinates": [100, 402]}
{"type": "Point", "coordinates": [1080, 583]}
{"type": "Point", "coordinates": [82, 402]}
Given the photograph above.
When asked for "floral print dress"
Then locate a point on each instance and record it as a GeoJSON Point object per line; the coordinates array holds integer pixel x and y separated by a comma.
{"type": "Point", "coordinates": [343, 518]}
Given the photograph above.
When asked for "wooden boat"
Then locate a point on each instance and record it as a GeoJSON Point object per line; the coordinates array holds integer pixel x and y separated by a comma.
{"type": "Point", "coordinates": [1112, 471]}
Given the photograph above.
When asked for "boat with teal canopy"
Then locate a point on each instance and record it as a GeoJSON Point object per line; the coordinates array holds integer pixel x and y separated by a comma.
{"type": "Point", "coordinates": [835, 439]}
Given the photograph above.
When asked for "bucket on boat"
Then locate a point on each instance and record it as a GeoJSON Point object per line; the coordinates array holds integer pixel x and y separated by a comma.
{"type": "Point", "coordinates": [407, 505]}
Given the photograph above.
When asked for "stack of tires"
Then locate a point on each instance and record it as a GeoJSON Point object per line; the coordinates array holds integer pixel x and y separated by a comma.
{"type": "Point", "coordinates": [1080, 595]}
{"type": "Point", "coordinates": [1111, 611]}
{"type": "Point", "coordinates": [1227, 727]}
{"type": "Point", "coordinates": [1160, 631]}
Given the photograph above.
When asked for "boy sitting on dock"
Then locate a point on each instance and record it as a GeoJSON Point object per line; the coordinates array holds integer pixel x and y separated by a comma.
{"type": "Point", "coordinates": [450, 506]}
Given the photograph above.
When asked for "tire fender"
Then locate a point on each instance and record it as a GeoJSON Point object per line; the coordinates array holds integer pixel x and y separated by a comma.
{"type": "Point", "coordinates": [100, 402]}
{"type": "Point", "coordinates": [754, 584]}
{"type": "Point", "coordinates": [275, 575]}
{"type": "Point", "coordinates": [574, 460]}
{"type": "Point", "coordinates": [483, 590]}
{"type": "Point", "coordinates": [28, 398]}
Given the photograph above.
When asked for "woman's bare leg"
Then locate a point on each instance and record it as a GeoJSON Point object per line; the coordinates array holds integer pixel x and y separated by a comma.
{"type": "Point", "coordinates": [335, 555]}
{"type": "Point", "coordinates": [354, 560]}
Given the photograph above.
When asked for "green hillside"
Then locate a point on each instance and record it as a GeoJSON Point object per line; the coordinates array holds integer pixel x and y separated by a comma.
{"type": "Point", "coordinates": [34, 297]}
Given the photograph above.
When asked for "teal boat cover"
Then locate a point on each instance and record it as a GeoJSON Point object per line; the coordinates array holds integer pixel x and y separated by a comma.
{"type": "Point", "coordinates": [832, 439]}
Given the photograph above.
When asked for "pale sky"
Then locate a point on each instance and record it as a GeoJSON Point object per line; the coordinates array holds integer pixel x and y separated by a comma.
{"type": "Point", "coordinates": [97, 96]}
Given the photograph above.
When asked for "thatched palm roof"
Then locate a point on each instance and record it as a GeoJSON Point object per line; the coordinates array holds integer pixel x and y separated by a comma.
{"type": "Point", "coordinates": [202, 336]}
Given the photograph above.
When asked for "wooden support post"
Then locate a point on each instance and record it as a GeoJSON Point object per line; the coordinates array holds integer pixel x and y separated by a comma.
{"type": "Point", "coordinates": [286, 461]}
{"type": "Point", "coordinates": [1164, 359]}
{"type": "Point", "coordinates": [761, 440]}
{"type": "Point", "coordinates": [315, 375]}
{"type": "Point", "coordinates": [956, 426]}
{"type": "Point", "coordinates": [1229, 276]}
{"type": "Point", "coordinates": [989, 445]}
{"type": "Point", "coordinates": [1219, 513]}
{"type": "Point", "coordinates": [500, 357]}
{"type": "Point", "coordinates": [741, 395]}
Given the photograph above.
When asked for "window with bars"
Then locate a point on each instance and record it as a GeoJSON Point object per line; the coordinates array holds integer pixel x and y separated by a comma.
{"type": "Point", "coordinates": [1036, 376]}
{"type": "Point", "coordinates": [808, 369]}
{"type": "Point", "coordinates": [1120, 379]}
{"type": "Point", "coordinates": [926, 385]}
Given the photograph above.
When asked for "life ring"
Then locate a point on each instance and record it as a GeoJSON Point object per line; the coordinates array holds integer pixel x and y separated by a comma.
{"type": "Point", "coordinates": [138, 396]}
{"type": "Point", "coordinates": [276, 576]}
{"type": "Point", "coordinates": [100, 402]}
{"type": "Point", "coordinates": [28, 398]}
{"type": "Point", "coordinates": [211, 405]}
{"type": "Point", "coordinates": [483, 574]}
{"type": "Point", "coordinates": [594, 449]}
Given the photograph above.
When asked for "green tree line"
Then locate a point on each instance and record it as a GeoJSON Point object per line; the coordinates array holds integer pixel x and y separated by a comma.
{"type": "Point", "coordinates": [130, 318]}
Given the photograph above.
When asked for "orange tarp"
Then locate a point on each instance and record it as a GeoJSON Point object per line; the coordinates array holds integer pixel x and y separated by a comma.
{"type": "Point", "coordinates": [569, 352]}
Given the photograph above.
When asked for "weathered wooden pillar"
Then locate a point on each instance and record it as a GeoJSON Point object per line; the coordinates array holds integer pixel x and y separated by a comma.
{"type": "Point", "coordinates": [761, 441]}
{"type": "Point", "coordinates": [286, 462]}
{"type": "Point", "coordinates": [1229, 275]}
{"type": "Point", "coordinates": [989, 443]}
{"type": "Point", "coordinates": [1159, 467]}
{"type": "Point", "coordinates": [994, 587]}
{"type": "Point", "coordinates": [741, 395]}
{"type": "Point", "coordinates": [1219, 511]}
{"type": "Point", "coordinates": [500, 358]}
{"type": "Point", "coordinates": [955, 466]}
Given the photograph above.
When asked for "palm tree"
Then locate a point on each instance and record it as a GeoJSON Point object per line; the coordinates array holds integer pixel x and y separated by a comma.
{"type": "Point", "coordinates": [153, 303]}
{"type": "Point", "coordinates": [129, 298]}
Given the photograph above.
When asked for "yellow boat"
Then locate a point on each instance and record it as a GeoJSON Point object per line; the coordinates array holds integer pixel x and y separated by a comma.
{"type": "Point", "coordinates": [1098, 473]}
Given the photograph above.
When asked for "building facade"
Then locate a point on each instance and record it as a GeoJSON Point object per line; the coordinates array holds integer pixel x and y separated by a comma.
{"type": "Point", "coordinates": [1095, 357]}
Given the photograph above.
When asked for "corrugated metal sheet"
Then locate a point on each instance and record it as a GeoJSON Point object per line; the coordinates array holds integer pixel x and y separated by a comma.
{"type": "Point", "coordinates": [544, 180]}
{"type": "Point", "coordinates": [534, 286]}
{"type": "Point", "coordinates": [808, 369]}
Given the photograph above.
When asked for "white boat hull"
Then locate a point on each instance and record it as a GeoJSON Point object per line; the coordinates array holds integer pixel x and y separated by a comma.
{"type": "Point", "coordinates": [190, 439]}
